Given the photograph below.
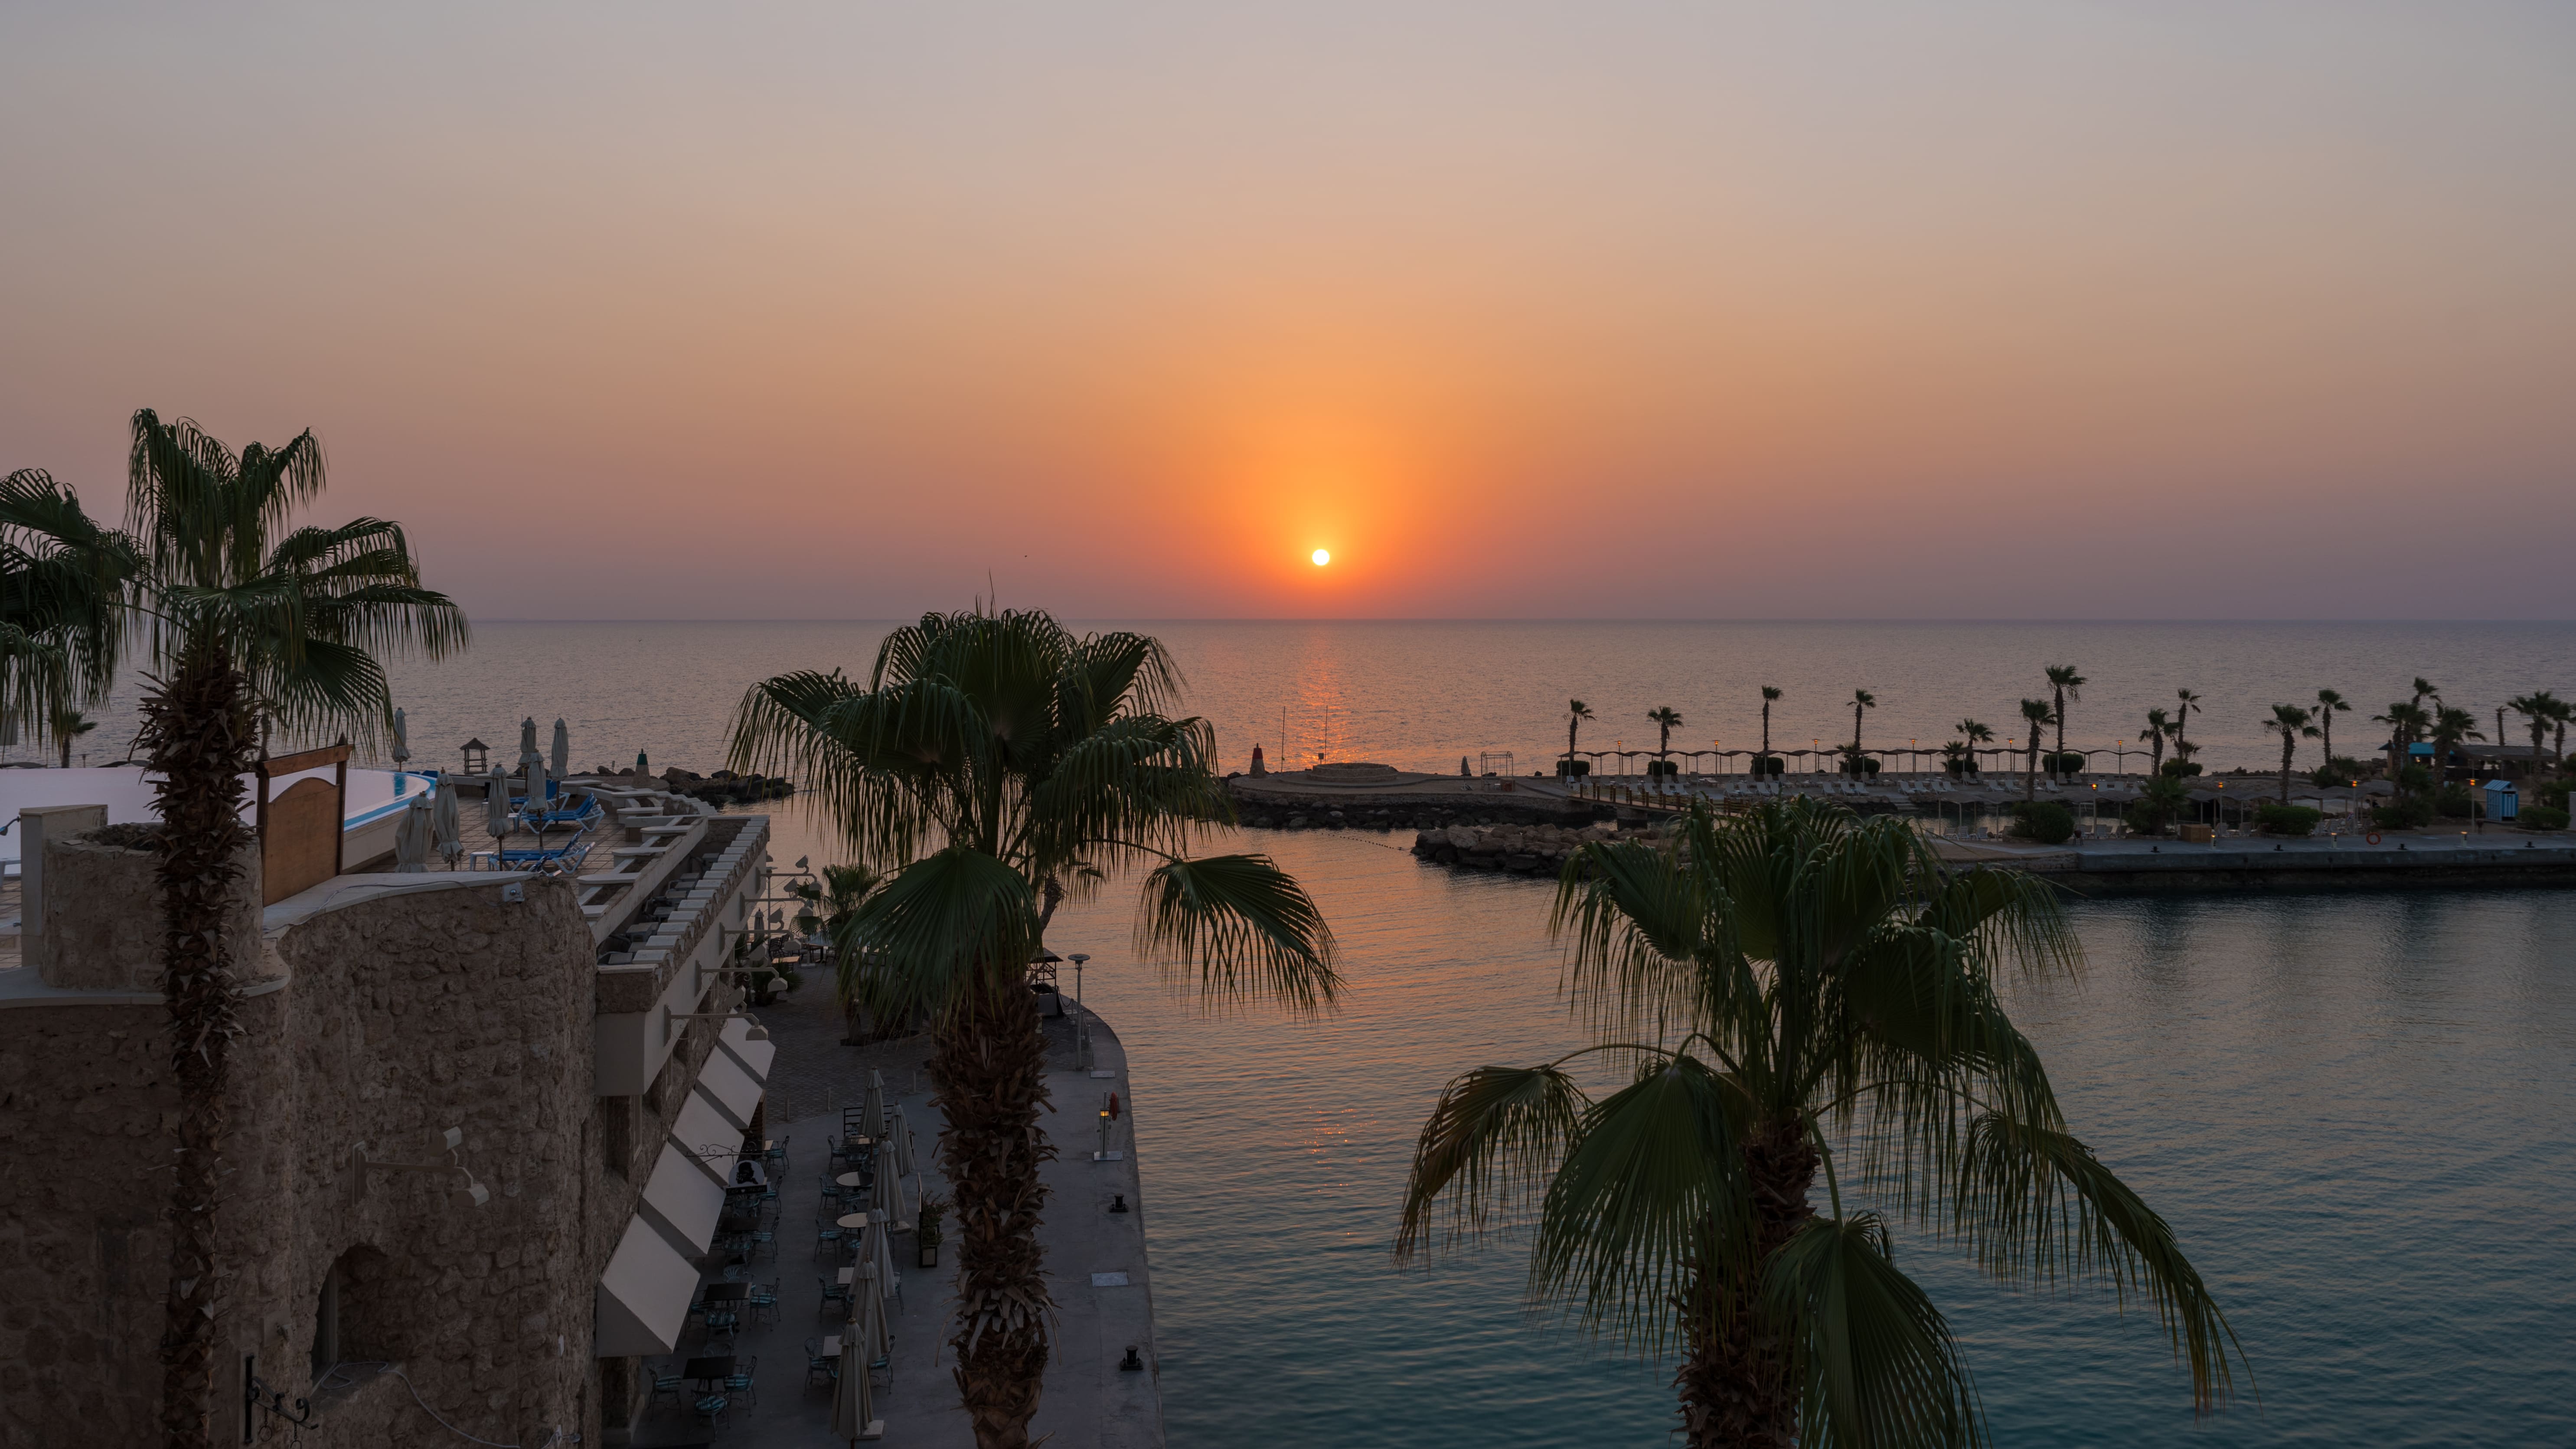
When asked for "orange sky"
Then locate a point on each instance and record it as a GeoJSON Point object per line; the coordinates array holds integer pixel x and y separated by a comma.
{"type": "Point", "coordinates": [1958, 310]}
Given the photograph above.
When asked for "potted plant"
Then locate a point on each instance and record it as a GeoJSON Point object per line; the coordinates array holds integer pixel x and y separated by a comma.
{"type": "Point", "coordinates": [933, 1210]}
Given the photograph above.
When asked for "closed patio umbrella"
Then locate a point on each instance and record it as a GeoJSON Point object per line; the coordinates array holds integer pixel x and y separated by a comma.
{"type": "Point", "coordinates": [886, 1196]}
{"type": "Point", "coordinates": [873, 1113]}
{"type": "Point", "coordinates": [531, 763]}
{"type": "Point", "coordinates": [402, 742]}
{"type": "Point", "coordinates": [902, 1134]}
{"type": "Point", "coordinates": [561, 755]}
{"type": "Point", "coordinates": [446, 829]}
{"type": "Point", "coordinates": [496, 805]}
{"type": "Point", "coordinates": [411, 837]}
{"type": "Point", "coordinates": [853, 1396]}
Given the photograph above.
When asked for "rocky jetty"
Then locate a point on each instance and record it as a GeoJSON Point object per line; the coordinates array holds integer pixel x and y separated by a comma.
{"type": "Point", "coordinates": [724, 787]}
{"type": "Point", "coordinates": [1518, 849]}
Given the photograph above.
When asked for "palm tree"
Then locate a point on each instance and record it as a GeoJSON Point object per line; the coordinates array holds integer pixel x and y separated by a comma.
{"type": "Point", "coordinates": [62, 581]}
{"type": "Point", "coordinates": [2035, 715]}
{"type": "Point", "coordinates": [2064, 684]}
{"type": "Point", "coordinates": [1664, 718]}
{"type": "Point", "coordinates": [2407, 722]}
{"type": "Point", "coordinates": [1974, 734]}
{"type": "Point", "coordinates": [2451, 728]}
{"type": "Point", "coordinates": [2424, 690]}
{"type": "Point", "coordinates": [2329, 703]}
{"type": "Point", "coordinates": [249, 623]}
{"type": "Point", "coordinates": [2158, 725]}
{"type": "Point", "coordinates": [1862, 700]}
{"type": "Point", "coordinates": [1576, 712]}
{"type": "Point", "coordinates": [1770, 697]}
{"type": "Point", "coordinates": [2561, 711]}
{"type": "Point", "coordinates": [831, 905]}
{"type": "Point", "coordinates": [2538, 710]}
{"type": "Point", "coordinates": [67, 725]}
{"type": "Point", "coordinates": [2292, 724]}
{"type": "Point", "coordinates": [2184, 703]}
{"type": "Point", "coordinates": [990, 765]}
{"type": "Point", "coordinates": [1777, 996]}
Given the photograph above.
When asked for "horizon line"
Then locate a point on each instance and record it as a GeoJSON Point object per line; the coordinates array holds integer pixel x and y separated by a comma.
{"type": "Point", "coordinates": [1561, 619]}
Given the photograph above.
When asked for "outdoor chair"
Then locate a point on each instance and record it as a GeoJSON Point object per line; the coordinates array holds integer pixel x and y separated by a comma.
{"type": "Point", "coordinates": [666, 1380]}
{"type": "Point", "coordinates": [835, 1296]}
{"type": "Point", "coordinates": [711, 1408]}
{"type": "Point", "coordinates": [777, 1157]}
{"type": "Point", "coordinates": [724, 1322]}
{"type": "Point", "coordinates": [739, 1381]}
{"type": "Point", "coordinates": [760, 1239]}
{"type": "Point", "coordinates": [827, 1239]}
{"type": "Point", "coordinates": [819, 1367]}
{"type": "Point", "coordinates": [764, 1299]}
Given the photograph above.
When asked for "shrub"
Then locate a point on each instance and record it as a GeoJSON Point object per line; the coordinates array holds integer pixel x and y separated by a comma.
{"type": "Point", "coordinates": [2279, 819]}
{"type": "Point", "coordinates": [2452, 803]}
{"type": "Point", "coordinates": [1656, 769]}
{"type": "Point", "coordinates": [1771, 765]}
{"type": "Point", "coordinates": [2541, 817]}
{"type": "Point", "coordinates": [2159, 804]}
{"type": "Point", "coordinates": [2406, 812]}
{"type": "Point", "coordinates": [2553, 793]}
{"type": "Point", "coordinates": [1866, 765]}
{"type": "Point", "coordinates": [2414, 777]}
{"type": "Point", "coordinates": [1574, 769]}
{"type": "Point", "coordinates": [2071, 762]}
{"type": "Point", "coordinates": [2178, 769]}
{"type": "Point", "coordinates": [2045, 821]}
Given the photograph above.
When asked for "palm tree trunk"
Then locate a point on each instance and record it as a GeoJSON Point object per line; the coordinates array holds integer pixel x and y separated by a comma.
{"type": "Point", "coordinates": [2030, 773]}
{"type": "Point", "coordinates": [1737, 1382]}
{"type": "Point", "coordinates": [2289, 751]}
{"type": "Point", "coordinates": [2058, 765]}
{"type": "Point", "coordinates": [989, 1068]}
{"type": "Point", "coordinates": [197, 726]}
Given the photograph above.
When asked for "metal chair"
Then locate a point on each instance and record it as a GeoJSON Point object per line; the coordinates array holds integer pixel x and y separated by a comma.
{"type": "Point", "coordinates": [827, 1239]}
{"type": "Point", "coordinates": [777, 1157]}
{"type": "Point", "coordinates": [819, 1367]}
{"type": "Point", "coordinates": [834, 1295]}
{"type": "Point", "coordinates": [739, 1381]}
{"type": "Point", "coordinates": [666, 1380]}
{"type": "Point", "coordinates": [764, 1299]}
{"type": "Point", "coordinates": [723, 1321]}
{"type": "Point", "coordinates": [712, 1407]}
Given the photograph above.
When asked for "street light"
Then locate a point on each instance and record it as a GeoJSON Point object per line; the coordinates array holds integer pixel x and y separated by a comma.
{"type": "Point", "coordinates": [1081, 1019]}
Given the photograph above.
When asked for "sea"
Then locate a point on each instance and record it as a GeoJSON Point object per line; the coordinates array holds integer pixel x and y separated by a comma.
{"type": "Point", "coordinates": [2357, 1112]}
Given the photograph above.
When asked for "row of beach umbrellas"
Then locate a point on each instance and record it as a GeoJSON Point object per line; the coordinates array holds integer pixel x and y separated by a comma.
{"type": "Point", "coordinates": [431, 822]}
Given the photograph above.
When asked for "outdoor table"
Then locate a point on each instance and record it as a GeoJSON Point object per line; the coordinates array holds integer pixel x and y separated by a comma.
{"type": "Point", "coordinates": [847, 1274]}
{"type": "Point", "coordinates": [706, 1373]}
{"type": "Point", "coordinates": [849, 1179]}
{"type": "Point", "coordinates": [726, 1293]}
{"type": "Point", "coordinates": [855, 1221]}
{"type": "Point", "coordinates": [832, 1346]}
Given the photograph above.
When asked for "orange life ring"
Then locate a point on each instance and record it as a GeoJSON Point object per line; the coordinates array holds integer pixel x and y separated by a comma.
{"type": "Point", "coordinates": [2372, 837]}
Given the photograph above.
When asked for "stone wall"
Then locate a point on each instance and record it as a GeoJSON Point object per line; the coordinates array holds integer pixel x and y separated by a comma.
{"type": "Point", "coordinates": [433, 1004]}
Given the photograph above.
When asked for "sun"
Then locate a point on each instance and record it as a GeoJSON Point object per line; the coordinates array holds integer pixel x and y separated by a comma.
{"type": "Point", "coordinates": [1323, 557]}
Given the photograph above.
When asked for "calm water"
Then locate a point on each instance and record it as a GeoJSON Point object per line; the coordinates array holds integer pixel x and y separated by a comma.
{"type": "Point", "coordinates": [2356, 1112]}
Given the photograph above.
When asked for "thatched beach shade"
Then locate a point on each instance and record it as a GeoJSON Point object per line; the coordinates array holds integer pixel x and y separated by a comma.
{"type": "Point", "coordinates": [412, 837]}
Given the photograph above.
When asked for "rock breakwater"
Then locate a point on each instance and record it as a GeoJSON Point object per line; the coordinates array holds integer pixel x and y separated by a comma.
{"type": "Point", "coordinates": [1519, 849]}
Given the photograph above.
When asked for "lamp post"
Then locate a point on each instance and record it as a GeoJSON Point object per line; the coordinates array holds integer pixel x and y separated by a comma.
{"type": "Point", "coordinates": [1081, 1019]}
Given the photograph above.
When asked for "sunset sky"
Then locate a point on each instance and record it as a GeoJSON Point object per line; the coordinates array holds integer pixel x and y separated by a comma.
{"type": "Point", "coordinates": [1684, 310]}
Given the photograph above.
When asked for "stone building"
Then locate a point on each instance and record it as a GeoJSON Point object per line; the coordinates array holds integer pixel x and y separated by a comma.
{"type": "Point", "coordinates": [577, 1033]}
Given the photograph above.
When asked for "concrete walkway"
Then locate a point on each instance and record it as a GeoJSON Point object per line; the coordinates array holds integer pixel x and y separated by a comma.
{"type": "Point", "coordinates": [1095, 1265]}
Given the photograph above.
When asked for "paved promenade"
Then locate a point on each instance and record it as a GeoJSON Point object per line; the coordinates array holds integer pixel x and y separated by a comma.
{"type": "Point", "coordinates": [1089, 1402]}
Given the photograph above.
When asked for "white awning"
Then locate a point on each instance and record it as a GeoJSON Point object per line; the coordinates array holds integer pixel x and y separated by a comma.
{"type": "Point", "coordinates": [643, 1299]}
{"type": "Point", "coordinates": [702, 1127]}
{"type": "Point", "coordinates": [689, 1197]}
